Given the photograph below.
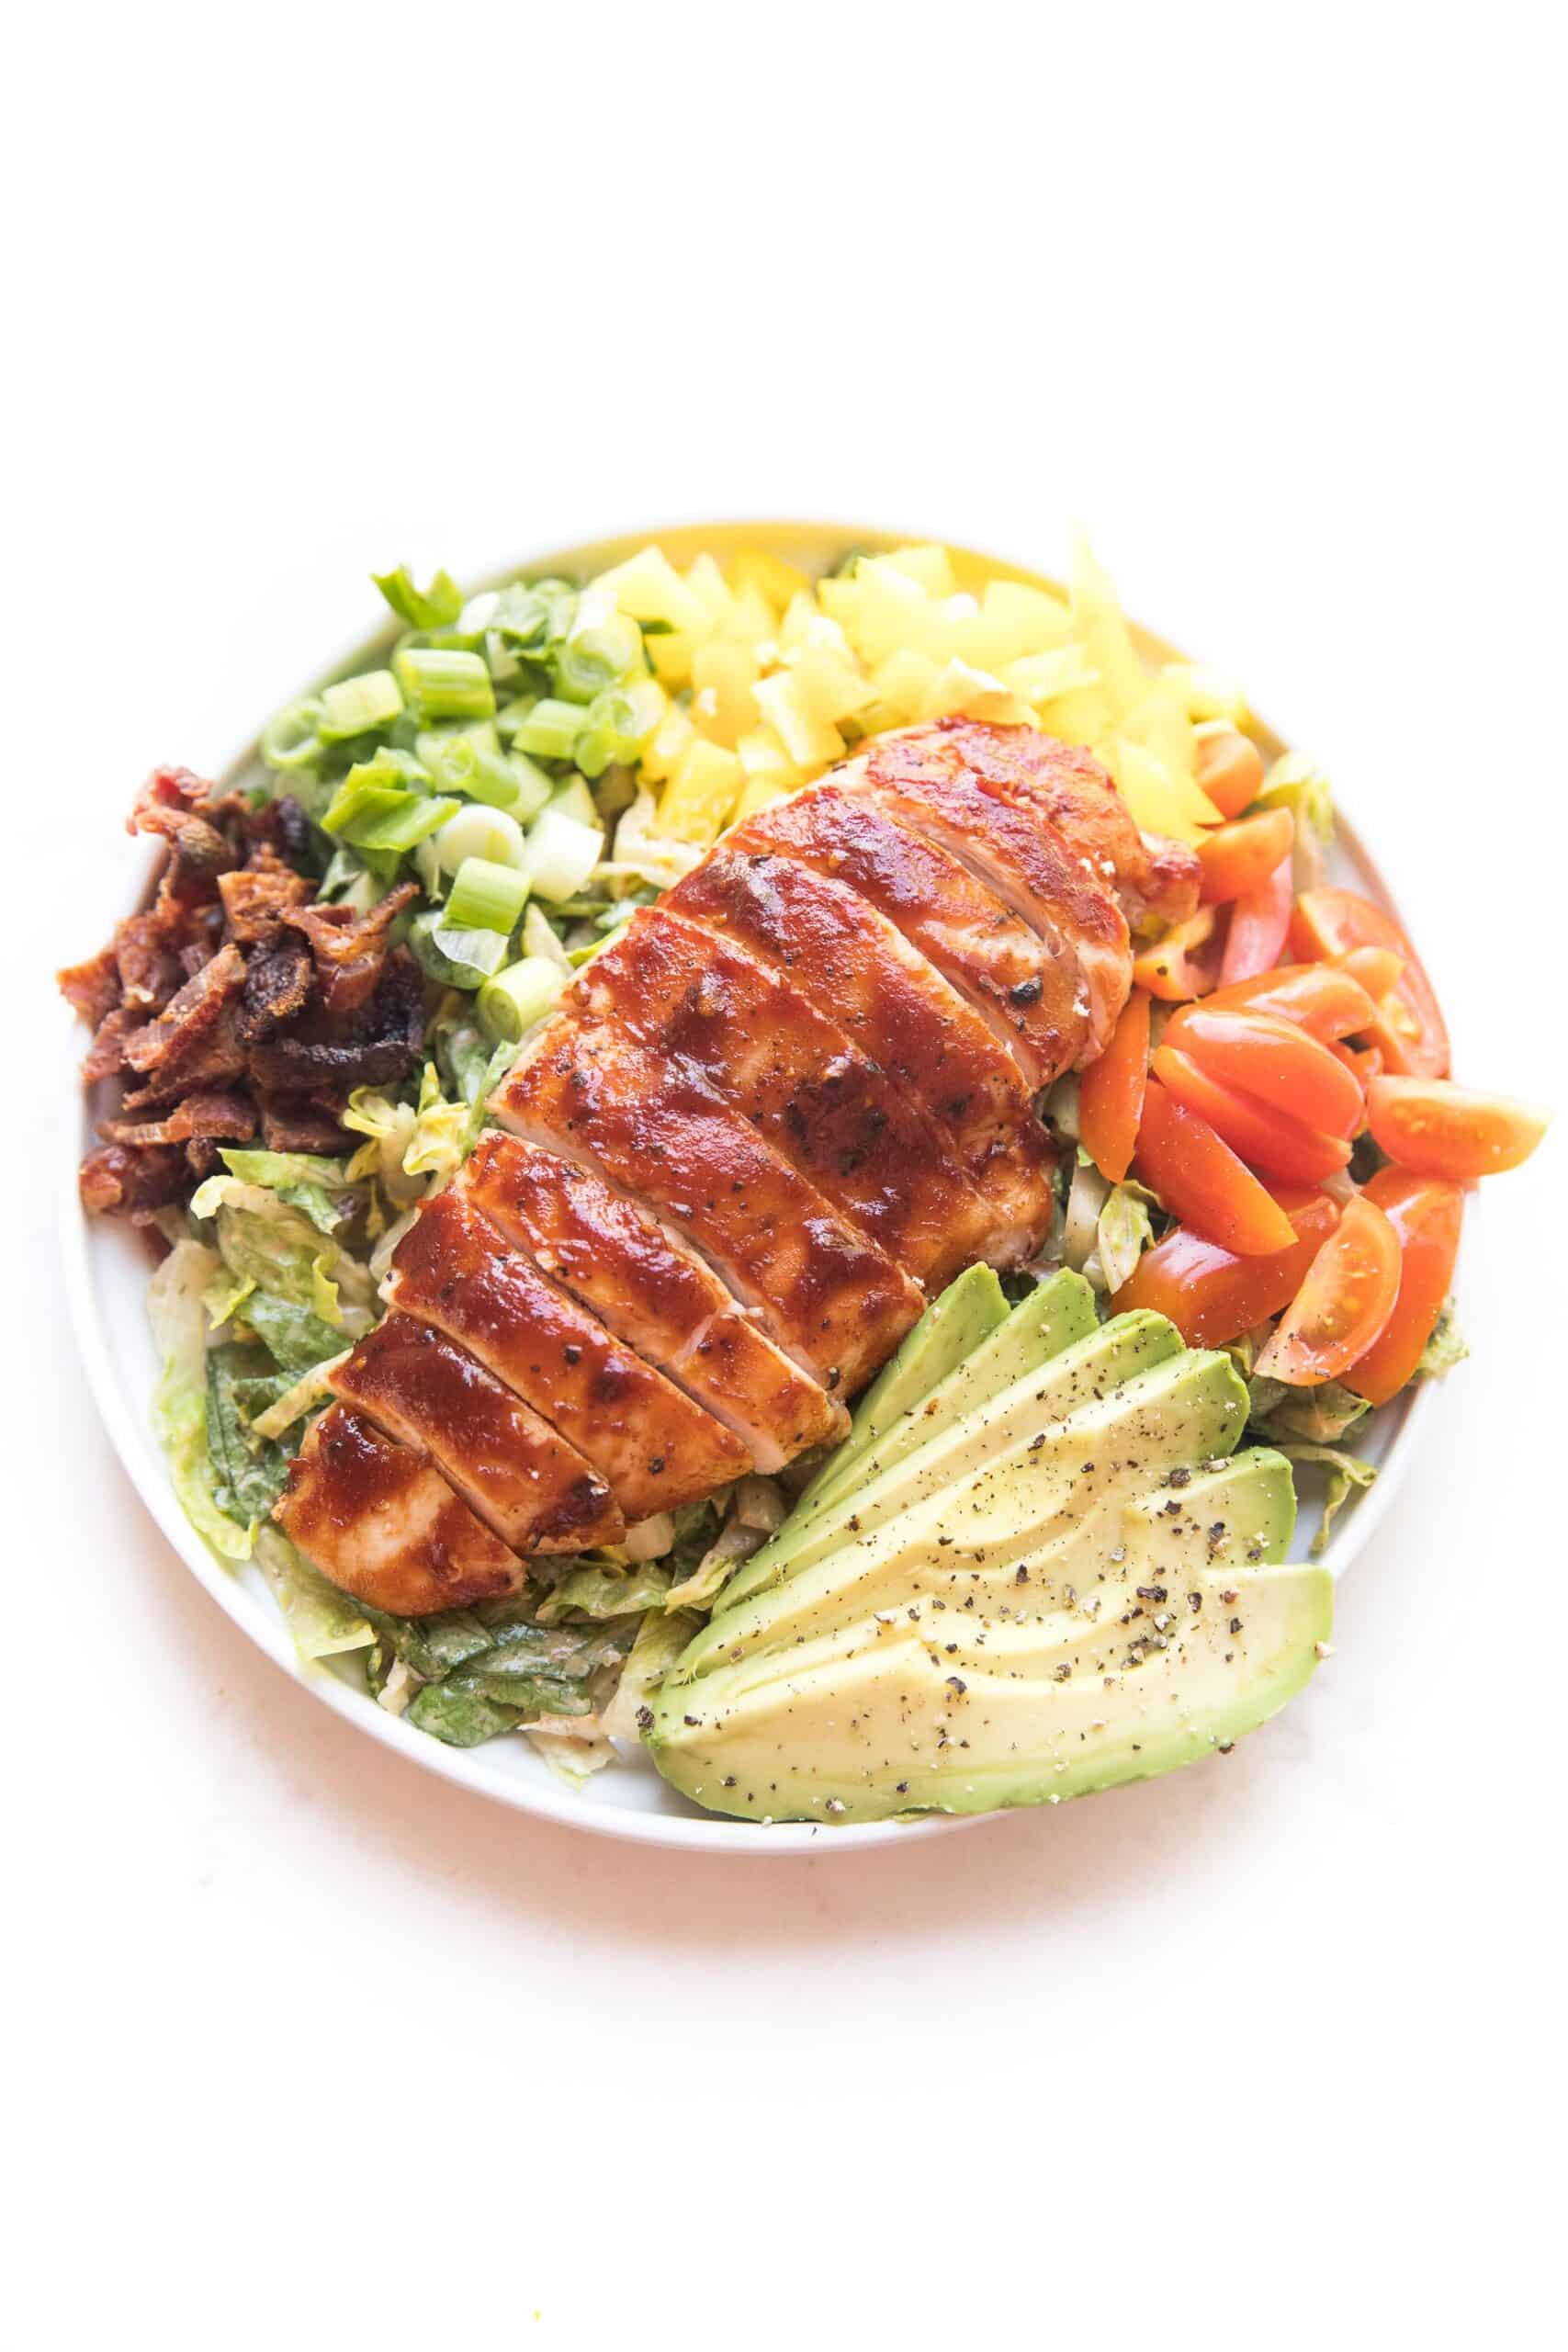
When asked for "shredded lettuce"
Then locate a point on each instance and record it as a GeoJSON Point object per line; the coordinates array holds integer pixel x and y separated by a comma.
{"type": "Point", "coordinates": [659, 1642]}
{"type": "Point", "coordinates": [1122, 1232]}
{"type": "Point", "coordinates": [497, 1668]}
{"type": "Point", "coordinates": [1314, 1416]}
{"type": "Point", "coordinates": [179, 1402]}
{"type": "Point", "coordinates": [1346, 1473]}
{"type": "Point", "coordinates": [322, 1620]}
{"type": "Point", "coordinates": [1293, 783]}
{"type": "Point", "coordinates": [1444, 1349]}
{"type": "Point", "coordinates": [594, 1591]}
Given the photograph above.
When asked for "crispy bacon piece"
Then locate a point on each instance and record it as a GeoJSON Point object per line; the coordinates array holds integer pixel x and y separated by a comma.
{"type": "Point", "coordinates": [350, 950]}
{"type": "Point", "coordinates": [189, 1014]}
{"type": "Point", "coordinates": [146, 952]}
{"type": "Point", "coordinates": [105, 1054]}
{"type": "Point", "coordinates": [382, 1045]}
{"type": "Point", "coordinates": [198, 852]}
{"type": "Point", "coordinates": [278, 981]}
{"type": "Point", "coordinates": [293, 1122]}
{"type": "Point", "coordinates": [214, 1060]}
{"type": "Point", "coordinates": [257, 897]}
{"type": "Point", "coordinates": [225, 1118]}
{"type": "Point", "coordinates": [92, 990]}
{"type": "Point", "coordinates": [130, 1180]}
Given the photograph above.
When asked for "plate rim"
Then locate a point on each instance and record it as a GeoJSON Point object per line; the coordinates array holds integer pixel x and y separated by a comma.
{"type": "Point", "coordinates": [466, 1768]}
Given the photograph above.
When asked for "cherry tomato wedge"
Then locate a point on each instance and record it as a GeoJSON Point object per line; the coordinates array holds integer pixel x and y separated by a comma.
{"type": "Point", "coordinates": [1261, 1135]}
{"type": "Point", "coordinates": [1110, 1092]}
{"type": "Point", "coordinates": [1212, 1296]}
{"type": "Point", "coordinates": [1274, 1060]}
{"type": "Point", "coordinates": [1363, 1062]}
{"type": "Point", "coordinates": [1324, 1000]}
{"type": "Point", "coordinates": [1202, 1184]}
{"type": "Point", "coordinates": [1425, 1215]}
{"type": "Point", "coordinates": [1377, 968]}
{"type": "Point", "coordinates": [1238, 857]}
{"type": "Point", "coordinates": [1229, 769]}
{"type": "Point", "coordinates": [1259, 925]}
{"type": "Point", "coordinates": [1182, 964]}
{"type": "Point", "coordinates": [1342, 1307]}
{"type": "Point", "coordinates": [1409, 1031]}
{"type": "Point", "coordinates": [1440, 1130]}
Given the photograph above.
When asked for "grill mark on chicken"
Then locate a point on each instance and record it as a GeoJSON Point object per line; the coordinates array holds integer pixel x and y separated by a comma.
{"type": "Point", "coordinates": [1023, 858]}
{"type": "Point", "coordinates": [654, 1293]}
{"type": "Point", "coordinates": [653, 1447]}
{"type": "Point", "coordinates": [900, 1011]}
{"type": "Point", "coordinates": [381, 1521]}
{"type": "Point", "coordinates": [537, 1491]}
{"type": "Point", "coordinates": [689, 996]}
{"type": "Point", "coordinates": [831, 1300]}
{"type": "Point", "coordinates": [1022, 986]}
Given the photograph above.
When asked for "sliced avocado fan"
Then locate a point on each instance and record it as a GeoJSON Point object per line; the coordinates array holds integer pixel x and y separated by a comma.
{"type": "Point", "coordinates": [1065, 1588]}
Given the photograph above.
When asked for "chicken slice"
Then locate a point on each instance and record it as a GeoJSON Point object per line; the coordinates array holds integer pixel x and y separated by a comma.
{"type": "Point", "coordinates": [1155, 880]}
{"type": "Point", "coordinates": [653, 1293]}
{"type": "Point", "coordinates": [834, 1302]}
{"type": "Point", "coordinates": [524, 1481]}
{"type": "Point", "coordinates": [651, 1445]}
{"type": "Point", "coordinates": [900, 1011]}
{"type": "Point", "coordinates": [381, 1521]}
{"type": "Point", "coordinates": [1023, 987]}
{"type": "Point", "coordinates": [922, 780]}
{"type": "Point", "coordinates": [692, 998]}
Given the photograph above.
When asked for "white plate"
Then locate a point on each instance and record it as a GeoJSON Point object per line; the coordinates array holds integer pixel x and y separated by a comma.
{"type": "Point", "coordinates": [106, 1273]}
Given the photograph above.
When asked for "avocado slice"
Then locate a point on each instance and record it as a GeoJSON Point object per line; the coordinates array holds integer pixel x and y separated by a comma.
{"type": "Point", "coordinates": [1043, 1499]}
{"type": "Point", "coordinates": [949, 1330]}
{"type": "Point", "coordinates": [1176, 1640]}
{"type": "Point", "coordinates": [1111, 1353]}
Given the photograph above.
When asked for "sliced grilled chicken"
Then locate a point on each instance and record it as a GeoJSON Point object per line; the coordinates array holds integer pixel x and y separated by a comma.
{"type": "Point", "coordinates": [380, 1520]}
{"type": "Point", "coordinates": [1026, 987]}
{"type": "Point", "coordinates": [1155, 880]}
{"type": "Point", "coordinates": [653, 1293]}
{"type": "Point", "coordinates": [524, 1481]}
{"type": "Point", "coordinates": [651, 1445]}
{"type": "Point", "coordinates": [834, 1302]}
{"type": "Point", "coordinates": [700, 1000]}
{"type": "Point", "coordinates": [900, 1011]}
{"type": "Point", "coordinates": [920, 779]}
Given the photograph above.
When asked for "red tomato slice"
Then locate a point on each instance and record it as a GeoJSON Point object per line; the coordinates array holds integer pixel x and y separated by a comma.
{"type": "Point", "coordinates": [1342, 1307]}
{"type": "Point", "coordinates": [1229, 770]}
{"type": "Point", "coordinates": [1274, 1060]}
{"type": "Point", "coordinates": [1110, 1091]}
{"type": "Point", "coordinates": [1326, 1001]}
{"type": "Point", "coordinates": [1202, 1182]}
{"type": "Point", "coordinates": [1261, 1135]}
{"type": "Point", "coordinates": [1240, 857]}
{"type": "Point", "coordinates": [1212, 1296]}
{"type": "Point", "coordinates": [1440, 1130]}
{"type": "Point", "coordinates": [1260, 923]}
{"type": "Point", "coordinates": [1409, 1032]}
{"type": "Point", "coordinates": [1425, 1215]}
{"type": "Point", "coordinates": [1363, 1062]}
{"type": "Point", "coordinates": [1377, 968]}
{"type": "Point", "coordinates": [1184, 964]}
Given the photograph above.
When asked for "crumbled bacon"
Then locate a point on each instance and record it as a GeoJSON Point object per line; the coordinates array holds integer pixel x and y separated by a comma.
{"type": "Point", "coordinates": [277, 987]}
{"type": "Point", "coordinates": [190, 1013]}
{"type": "Point", "coordinates": [92, 989]}
{"type": "Point", "coordinates": [121, 1180]}
{"type": "Point", "coordinates": [382, 1047]}
{"type": "Point", "coordinates": [293, 1122]}
{"type": "Point", "coordinates": [350, 950]}
{"type": "Point", "coordinates": [148, 960]}
{"type": "Point", "coordinates": [256, 898]}
{"type": "Point", "coordinates": [107, 1052]}
{"type": "Point", "coordinates": [227, 1118]}
{"type": "Point", "coordinates": [214, 1060]}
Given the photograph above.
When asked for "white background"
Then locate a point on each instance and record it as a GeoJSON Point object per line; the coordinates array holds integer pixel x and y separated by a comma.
{"type": "Point", "coordinates": [307, 2047]}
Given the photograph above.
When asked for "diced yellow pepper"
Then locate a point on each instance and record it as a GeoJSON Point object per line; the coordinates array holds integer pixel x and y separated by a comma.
{"type": "Point", "coordinates": [1160, 801]}
{"type": "Point", "coordinates": [890, 614]}
{"type": "Point", "coordinates": [832, 685]}
{"type": "Point", "coordinates": [755, 797]}
{"type": "Point", "coordinates": [663, 756]}
{"type": "Point", "coordinates": [753, 621]}
{"type": "Point", "coordinates": [1162, 727]}
{"type": "Point", "coordinates": [810, 741]}
{"type": "Point", "coordinates": [649, 587]}
{"type": "Point", "coordinates": [800, 614]}
{"type": "Point", "coordinates": [670, 655]}
{"type": "Point", "coordinates": [958, 690]}
{"type": "Point", "coordinates": [1042, 677]}
{"type": "Point", "coordinates": [1099, 622]}
{"type": "Point", "coordinates": [774, 580]}
{"type": "Point", "coordinates": [929, 567]}
{"type": "Point", "coordinates": [1014, 621]}
{"type": "Point", "coordinates": [905, 682]}
{"type": "Point", "coordinates": [1081, 716]}
{"type": "Point", "coordinates": [706, 582]}
{"type": "Point", "coordinates": [696, 801]}
{"type": "Point", "coordinates": [1206, 694]}
{"type": "Point", "coordinates": [767, 763]}
{"type": "Point", "coordinates": [723, 674]}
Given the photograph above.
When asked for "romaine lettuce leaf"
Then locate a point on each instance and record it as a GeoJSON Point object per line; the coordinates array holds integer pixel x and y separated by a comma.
{"type": "Point", "coordinates": [1444, 1348]}
{"type": "Point", "coordinates": [1346, 1472]}
{"type": "Point", "coordinates": [322, 1620]}
{"type": "Point", "coordinates": [1315, 1416]}
{"type": "Point", "coordinates": [179, 1401]}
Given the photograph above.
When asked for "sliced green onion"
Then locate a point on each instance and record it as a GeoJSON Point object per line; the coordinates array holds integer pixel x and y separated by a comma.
{"type": "Point", "coordinates": [573, 798]}
{"type": "Point", "coordinates": [550, 729]}
{"type": "Point", "coordinates": [510, 715]}
{"type": "Point", "coordinates": [433, 607]}
{"type": "Point", "coordinates": [439, 682]}
{"type": "Point", "coordinates": [378, 817]}
{"type": "Point", "coordinates": [486, 897]}
{"type": "Point", "coordinates": [593, 658]}
{"type": "Point", "coordinates": [354, 706]}
{"type": "Point", "coordinates": [534, 788]}
{"type": "Point", "coordinates": [617, 724]}
{"type": "Point", "coordinates": [613, 792]}
{"type": "Point", "coordinates": [511, 1002]}
{"type": "Point", "coordinates": [470, 760]}
{"type": "Point", "coordinates": [540, 938]}
{"type": "Point", "coordinates": [388, 765]}
{"type": "Point", "coordinates": [562, 853]}
{"type": "Point", "coordinates": [483, 952]}
{"type": "Point", "coordinates": [291, 739]}
{"type": "Point", "coordinates": [482, 831]}
{"type": "Point", "coordinates": [446, 971]}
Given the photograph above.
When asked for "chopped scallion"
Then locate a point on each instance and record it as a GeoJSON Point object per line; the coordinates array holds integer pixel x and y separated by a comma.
{"type": "Point", "coordinates": [377, 817]}
{"type": "Point", "coordinates": [550, 729]}
{"type": "Point", "coordinates": [355, 705]}
{"type": "Point", "coordinates": [562, 853]}
{"type": "Point", "coordinates": [515, 998]}
{"type": "Point", "coordinates": [433, 607]}
{"type": "Point", "coordinates": [593, 659]}
{"type": "Point", "coordinates": [443, 683]}
{"type": "Point", "coordinates": [482, 831]}
{"type": "Point", "coordinates": [291, 739]}
{"type": "Point", "coordinates": [486, 897]}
